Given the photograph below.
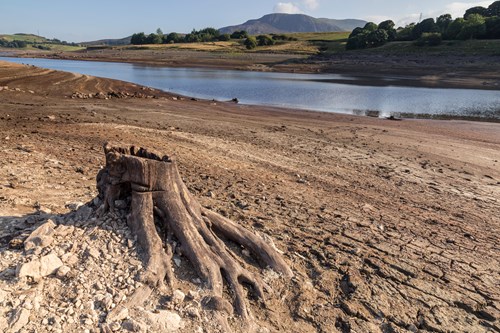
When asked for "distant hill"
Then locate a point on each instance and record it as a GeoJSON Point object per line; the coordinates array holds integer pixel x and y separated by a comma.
{"type": "Point", "coordinates": [288, 23]}
{"type": "Point", "coordinates": [108, 42]}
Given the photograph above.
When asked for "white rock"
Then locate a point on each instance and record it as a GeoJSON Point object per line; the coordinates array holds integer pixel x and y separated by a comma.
{"type": "Point", "coordinates": [49, 264]}
{"type": "Point", "coordinates": [69, 259]}
{"type": "Point", "coordinates": [42, 236]}
{"type": "Point", "coordinates": [178, 297]}
{"type": "Point", "coordinates": [164, 320]}
{"type": "Point", "coordinates": [38, 268]}
{"type": "Point", "coordinates": [63, 271]}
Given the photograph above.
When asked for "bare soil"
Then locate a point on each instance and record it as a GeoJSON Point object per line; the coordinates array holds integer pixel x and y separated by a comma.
{"type": "Point", "coordinates": [388, 226]}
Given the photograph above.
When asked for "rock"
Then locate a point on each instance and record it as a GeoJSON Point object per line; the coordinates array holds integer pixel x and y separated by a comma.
{"type": "Point", "coordinates": [118, 314]}
{"type": "Point", "coordinates": [193, 312]}
{"type": "Point", "coordinates": [63, 271]}
{"type": "Point", "coordinates": [83, 213]}
{"type": "Point", "coordinates": [178, 297]}
{"type": "Point", "coordinates": [134, 326]}
{"type": "Point", "coordinates": [74, 205]}
{"type": "Point", "coordinates": [163, 321]}
{"type": "Point", "coordinates": [42, 236]}
{"type": "Point", "coordinates": [49, 264]}
{"type": "Point", "coordinates": [42, 267]}
{"type": "Point", "coordinates": [19, 319]}
{"type": "Point", "coordinates": [69, 259]}
{"type": "Point", "coordinates": [94, 253]}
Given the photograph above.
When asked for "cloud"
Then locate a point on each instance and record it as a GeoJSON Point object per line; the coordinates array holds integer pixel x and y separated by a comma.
{"type": "Point", "coordinates": [286, 8]}
{"type": "Point", "coordinates": [310, 4]}
{"type": "Point", "coordinates": [457, 9]}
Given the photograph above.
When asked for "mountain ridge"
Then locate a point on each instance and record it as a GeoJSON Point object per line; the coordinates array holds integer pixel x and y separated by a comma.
{"type": "Point", "coordinates": [291, 23]}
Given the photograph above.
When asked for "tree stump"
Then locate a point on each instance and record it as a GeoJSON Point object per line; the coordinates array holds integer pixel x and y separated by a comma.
{"type": "Point", "coordinates": [158, 194]}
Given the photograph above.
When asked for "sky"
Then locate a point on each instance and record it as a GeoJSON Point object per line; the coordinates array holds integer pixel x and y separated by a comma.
{"type": "Point", "coordinates": [79, 21]}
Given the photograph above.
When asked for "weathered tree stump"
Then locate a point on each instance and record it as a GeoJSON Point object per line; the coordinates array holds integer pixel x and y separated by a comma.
{"type": "Point", "coordinates": [158, 193]}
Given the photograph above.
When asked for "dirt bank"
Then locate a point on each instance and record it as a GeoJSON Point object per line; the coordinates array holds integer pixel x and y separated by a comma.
{"type": "Point", "coordinates": [389, 226]}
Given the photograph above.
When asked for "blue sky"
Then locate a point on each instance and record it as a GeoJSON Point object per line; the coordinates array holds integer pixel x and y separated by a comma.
{"type": "Point", "coordinates": [78, 21]}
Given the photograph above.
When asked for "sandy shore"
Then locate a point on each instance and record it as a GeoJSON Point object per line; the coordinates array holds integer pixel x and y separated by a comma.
{"type": "Point", "coordinates": [388, 226]}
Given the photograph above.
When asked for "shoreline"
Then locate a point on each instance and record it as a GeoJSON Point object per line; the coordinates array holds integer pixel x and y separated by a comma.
{"type": "Point", "coordinates": [371, 69]}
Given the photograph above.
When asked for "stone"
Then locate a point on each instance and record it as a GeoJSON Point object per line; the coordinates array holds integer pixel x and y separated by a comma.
{"type": "Point", "coordinates": [164, 320]}
{"type": "Point", "coordinates": [94, 253]}
{"type": "Point", "coordinates": [38, 268]}
{"type": "Point", "coordinates": [178, 297]}
{"type": "Point", "coordinates": [42, 236]}
{"type": "Point", "coordinates": [74, 205]}
{"type": "Point", "coordinates": [19, 319]}
{"type": "Point", "coordinates": [49, 264]}
{"type": "Point", "coordinates": [63, 271]}
{"type": "Point", "coordinates": [69, 259]}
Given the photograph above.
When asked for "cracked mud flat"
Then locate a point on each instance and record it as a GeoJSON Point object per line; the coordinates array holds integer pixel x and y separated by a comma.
{"type": "Point", "coordinates": [388, 226]}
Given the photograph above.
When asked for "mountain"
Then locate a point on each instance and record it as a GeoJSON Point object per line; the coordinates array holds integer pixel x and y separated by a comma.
{"type": "Point", "coordinates": [108, 42]}
{"type": "Point", "coordinates": [287, 23]}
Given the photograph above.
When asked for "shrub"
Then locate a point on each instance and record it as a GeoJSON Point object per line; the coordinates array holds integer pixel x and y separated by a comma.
{"type": "Point", "coordinates": [250, 42]}
{"type": "Point", "coordinates": [429, 39]}
{"type": "Point", "coordinates": [264, 40]}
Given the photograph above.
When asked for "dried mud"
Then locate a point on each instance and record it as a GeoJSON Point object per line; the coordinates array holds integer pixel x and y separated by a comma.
{"type": "Point", "coordinates": [388, 226]}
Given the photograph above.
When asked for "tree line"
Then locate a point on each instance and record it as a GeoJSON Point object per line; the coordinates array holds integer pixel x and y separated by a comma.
{"type": "Point", "coordinates": [477, 23]}
{"type": "Point", "coordinates": [195, 36]}
{"type": "Point", "coordinates": [208, 35]}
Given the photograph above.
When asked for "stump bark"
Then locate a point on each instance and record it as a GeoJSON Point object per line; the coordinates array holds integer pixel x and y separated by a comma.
{"type": "Point", "coordinates": [158, 194]}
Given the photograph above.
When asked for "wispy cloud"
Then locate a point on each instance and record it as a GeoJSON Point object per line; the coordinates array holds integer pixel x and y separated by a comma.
{"type": "Point", "coordinates": [286, 8]}
{"type": "Point", "coordinates": [457, 9]}
{"type": "Point", "coordinates": [311, 4]}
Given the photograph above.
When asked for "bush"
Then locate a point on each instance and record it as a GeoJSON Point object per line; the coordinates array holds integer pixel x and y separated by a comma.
{"type": "Point", "coordinates": [224, 37]}
{"type": "Point", "coordinates": [250, 42]}
{"type": "Point", "coordinates": [239, 34]}
{"type": "Point", "coordinates": [429, 39]}
{"type": "Point", "coordinates": [264, 40]}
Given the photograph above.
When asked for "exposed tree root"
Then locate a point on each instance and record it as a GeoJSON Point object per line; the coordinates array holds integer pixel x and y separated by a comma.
{"type": "Point", "coordinates": [157, 191]}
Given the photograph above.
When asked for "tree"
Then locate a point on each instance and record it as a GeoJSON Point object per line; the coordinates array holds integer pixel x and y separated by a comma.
{"type": "Point", "coordinates": [406, 33]}
{"type": "Point", "coordinates": [377, 38]}
{"type": "Point", "coordinates": [494, 9]}
{"type": "Point", "coordinates": [239, 34]}
{"type": "Point", "coordinates": [474, 27]}
{"type": "Point", "coordinates": [443, 22]}
{"type": "Point", "coordinates": [250, 42]}
{"type": "Point", "coordinates": [172, 37]}
{"type": "Point", "coordinates": [388, 26]}
{"type": "Point", "coordinates": [138, 38]}
{"type": "Point", "coordinates": [427, 25]}
{"type": "Point", "coordinates": [159, 32]}
{"type": "Point", "coordinates": [454, 28]}
{"type": "Point", "coordinates": [493, 27]}
{"type": "Point", "coordinates": [163, 212]}
{"type": "Point", "coordinates": [153, 39]}
{"type": "Point", "coordinates": [264, 40]}
{"type": "Point", "coordinates": [476, 10]}
{"type": "Point", "coordinates": [224, 37]}
{"type": "Point", "coordinates": [370, 26]}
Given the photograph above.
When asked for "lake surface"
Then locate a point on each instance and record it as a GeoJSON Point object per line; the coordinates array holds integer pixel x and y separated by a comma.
{"type": "Point", "coordinates": [302, 91]}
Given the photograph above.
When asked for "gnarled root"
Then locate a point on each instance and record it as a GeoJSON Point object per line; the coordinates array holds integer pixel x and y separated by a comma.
{"type": "Point", "coordinates": [157, 190]}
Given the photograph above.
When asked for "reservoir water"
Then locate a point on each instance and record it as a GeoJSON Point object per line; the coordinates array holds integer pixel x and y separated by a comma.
{"type": "Point", "coordinates": [302, 91]}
